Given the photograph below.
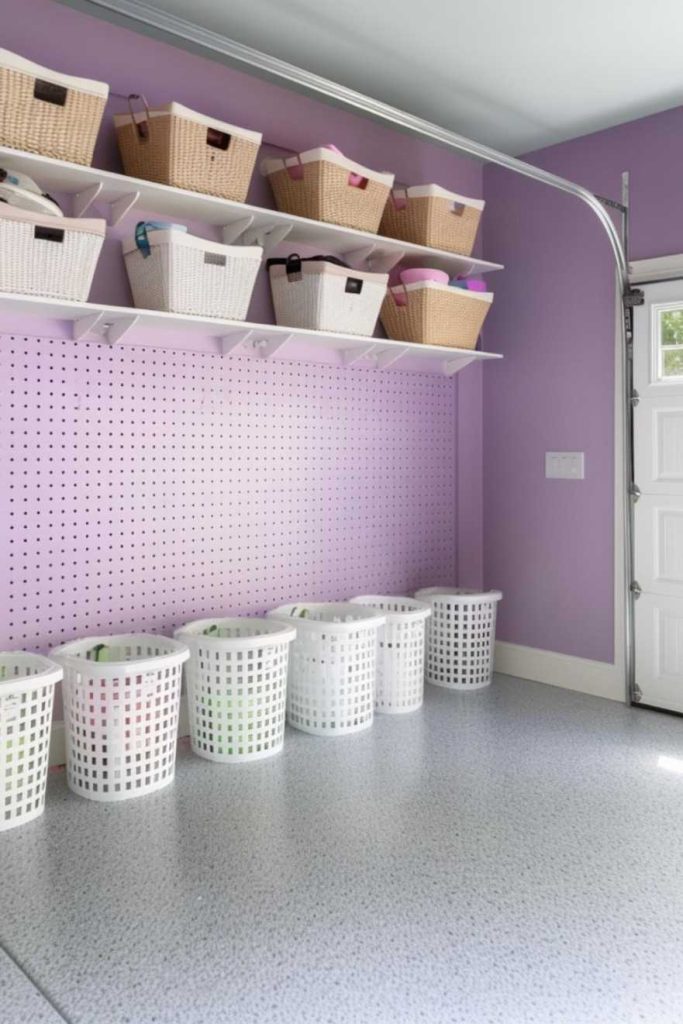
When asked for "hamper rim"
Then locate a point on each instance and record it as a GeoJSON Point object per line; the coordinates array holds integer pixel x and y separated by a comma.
{"type": "Point", "coordinates": [273, 164]}
{"type": "Point", "coordinates": [460, 595]}
{"type": "Point", "coordinates": [367, 617]}
{"type": "Point", "coordinates": [88, 225]}
{"type": "Point", "coordinates": [273, 632]}
{"type": "Point", "coordinates": [72, 653]}
{"type": "Point", "coordinates": [174, 109]}
{"type": "Point", "coordinates": [15, 62]}
{"type": "Point", "coordinates": [416, 286]}
{"type": "Point", "coordinates": [170, 236]}
{"type": "Point", "coordinates": [439, 192]}
{"type": "Point", "coordinates": [420, 609]}
{"type": "Point", "coordinates": [49, 674]}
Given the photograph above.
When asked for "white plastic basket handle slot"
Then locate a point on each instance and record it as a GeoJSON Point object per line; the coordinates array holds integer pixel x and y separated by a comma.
{"type": "Point", "coordinates": [144, 125]}
{"type": "Point", "coordinates": [9, 709]}
{"type": "Point", "coordinates": [354, 285]}
{"type": "Point", "coordinates": [48, 234]}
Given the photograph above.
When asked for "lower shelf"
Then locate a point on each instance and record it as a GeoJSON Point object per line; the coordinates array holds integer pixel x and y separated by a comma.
{"type": "Point", "coordinates": [120, 324]}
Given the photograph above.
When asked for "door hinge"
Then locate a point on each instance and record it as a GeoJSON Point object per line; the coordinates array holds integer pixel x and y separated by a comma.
{"type": "Point", "coordinates": [635, 398]}
{"type": "Point", "coordinates": [635, 492]}
{"type": "Point", "coordinates": [634, 297]}
{"type": "Point", "coordinates": [636, 589]}
{"type": "Point", "coordinates": [636, 693]}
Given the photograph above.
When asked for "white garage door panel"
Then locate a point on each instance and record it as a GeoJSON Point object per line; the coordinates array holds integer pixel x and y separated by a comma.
{"type": "Point", "coordinates": [659, 650]}
{"type": "Point", "coordinates": [659, 446]}
{"type": "Point", "coordinates": [658, 512]}
{"type": "Point", "coordinates": [659, 547]}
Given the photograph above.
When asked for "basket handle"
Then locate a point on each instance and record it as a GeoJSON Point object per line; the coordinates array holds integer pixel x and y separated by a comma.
{"type": "Point", "coordinates": [399, 198]}
{"type": "Point", "coordinates": [293, 267]}
{"type": "Point", "coordinates": [142, 127]}
{"type": "Point", "coordinates": [294, 171]}
{"type": "Point", "coordinates": [458, 209]}
{"type": "Point", "coordinates": [218, 139]}
{"type": "Point", "coordinates": [403, 294]}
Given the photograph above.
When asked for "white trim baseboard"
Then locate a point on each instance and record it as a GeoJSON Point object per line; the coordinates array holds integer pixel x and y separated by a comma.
{"type": "Point", "coordinates": [596, 678]}
{"type": "Point", "coordinates": [58, 740]}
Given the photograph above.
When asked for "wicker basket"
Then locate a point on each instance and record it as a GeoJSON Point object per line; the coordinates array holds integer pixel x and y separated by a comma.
{"type": "Point", "coordinates": [54, 257]}
{"type": "Point", "coordinates": [45, 112]}
{"type": "Point", "coordinates": [323, 185]}
{"type": "Point", "coordinates": [430, 215]}
{"type": "Point", "coordinates": [176, 146]}
{"type": "Point", "coordinates": [186, 274]}
{"type": "Point", "coordinates": [435, 314]}
{"type": "Point", "coordinates": [322, 296]}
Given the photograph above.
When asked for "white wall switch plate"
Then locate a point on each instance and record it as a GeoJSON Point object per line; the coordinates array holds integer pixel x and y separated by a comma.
{"type": "Point", "coordinates": [565, 465]}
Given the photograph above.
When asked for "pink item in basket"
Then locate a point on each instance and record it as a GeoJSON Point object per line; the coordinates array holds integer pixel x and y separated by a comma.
{"type": "Point", "coordinates": [416, 274]}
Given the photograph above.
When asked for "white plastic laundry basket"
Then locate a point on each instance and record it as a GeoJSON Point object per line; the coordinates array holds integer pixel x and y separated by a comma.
{"type": "Point", "coordinates": [332, 666]}
{"type": "Point", "coordinates": [54, 257]}
{"type": "Point", "coordinates": [236, 687]}
{"type": "Point", "coordinates": [27, 688]}
{"type": "Point", "coordinates": [121, 701]}
{"type": "Point", "coordinates": [322, 296]}
{"type": "Point", "coordinates": [460, 636]}
{"type": "Point", "coordinates": [400, 665]}
{"type": "Point", "coordinates": [185, 274]}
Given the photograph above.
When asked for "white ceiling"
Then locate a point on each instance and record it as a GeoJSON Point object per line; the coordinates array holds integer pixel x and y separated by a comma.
{"type": "Point", "coordinates": [516, 75]}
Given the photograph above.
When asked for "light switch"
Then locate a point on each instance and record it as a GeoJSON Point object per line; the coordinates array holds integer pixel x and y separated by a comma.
{"type": "Point", "coordinates": [565, 465]}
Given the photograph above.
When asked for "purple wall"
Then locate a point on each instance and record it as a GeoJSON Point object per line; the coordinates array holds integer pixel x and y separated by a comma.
{"type": "Point", "coordinates": [549, 544]}
{"type": "Point", "coordinates": [219, 485]}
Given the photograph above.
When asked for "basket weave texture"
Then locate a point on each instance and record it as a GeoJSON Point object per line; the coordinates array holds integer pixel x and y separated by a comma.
{"type": "Point", "coordinates": [176, 153]}
{"type": "Point", "coordinates": [54, 257]}
{"type": "Point", "coordinates": [434, 221]}
{"type": "Point", "coordinates": [65, 132]}
{"type": "Point", "coordinates": [324, 193]}
{"type": "Point", "coordinates": [435, 316]}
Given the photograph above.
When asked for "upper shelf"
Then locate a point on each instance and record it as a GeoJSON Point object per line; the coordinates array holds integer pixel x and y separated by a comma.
{"type": "Point", "coordinates": [239, 221]}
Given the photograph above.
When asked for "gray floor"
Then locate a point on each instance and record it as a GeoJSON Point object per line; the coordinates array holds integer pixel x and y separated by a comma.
{"type": "Point", "coordinates": [512, 856]}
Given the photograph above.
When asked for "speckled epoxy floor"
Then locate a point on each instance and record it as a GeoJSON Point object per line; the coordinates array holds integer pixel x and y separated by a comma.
{"type": "Point", "coordinates": [513, 856]}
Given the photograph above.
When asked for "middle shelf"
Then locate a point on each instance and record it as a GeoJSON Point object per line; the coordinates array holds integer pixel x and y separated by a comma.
{"type": "Point", "coordinates": [251, 225]}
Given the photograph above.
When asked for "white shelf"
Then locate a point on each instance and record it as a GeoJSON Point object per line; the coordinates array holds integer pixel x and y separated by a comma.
{"type": "Point", "coordinates": [113, 324]}
{"type": "Point", "coordinates": [240, 222]}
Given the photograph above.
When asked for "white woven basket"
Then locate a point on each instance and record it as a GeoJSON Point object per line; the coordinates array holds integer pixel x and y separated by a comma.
{"type": "Point", "coordinates": [27, 688]}
{"type": "Point", "coordinates": [186, 274]}
{"type": "Point", "coordinates": [322, 296]}
{"type": "Point", "coordinates": [121, 715]}
{"type": "Point", "coordinates": [236, 687]}
{"type": "Point", "coordinates": [400, 665]}
{"type": "Point", "coordinates": [54, 257]}
{"type": "Point", "coordinates": [332, 666]}
{"type": "Point", "coordinates": [460, 636]}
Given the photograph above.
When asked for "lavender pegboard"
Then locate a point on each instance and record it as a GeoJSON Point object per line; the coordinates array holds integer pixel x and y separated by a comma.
{"type": "Point", "coordinates": [144, 487]}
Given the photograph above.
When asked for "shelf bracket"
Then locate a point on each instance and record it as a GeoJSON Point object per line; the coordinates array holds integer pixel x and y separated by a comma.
{"type": "Point", "coordinates": [373, 257]}
{"type": "Point", "coordinates": [121, 206]}
{"type": "Point", "coordinates": [114, 330]}
{"type": "Point", "coordinates": [451, 366]}
{"type": "Point", "coordinates": [354, 355]}
{"type": "Point", "coordinates": [229, 343]}
{"type": "Point", "coordinates": [86, 325]}
{"type": "Point", "coordinates": [389, 356]}
{"type": "Point", "coordinates": [232, 232]}
{"type": "Point", "coordinates": [83, 200]}
{"type": "Point", "coordinates": [268, 237]}
{"type": "Point", "coordinates": [267, 348]}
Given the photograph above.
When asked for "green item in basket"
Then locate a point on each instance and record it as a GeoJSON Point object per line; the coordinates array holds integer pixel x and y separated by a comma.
{"type": "Point", "coordinates": [211, 630]}
{"type": "Point", "coordinates": [100, 653]}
